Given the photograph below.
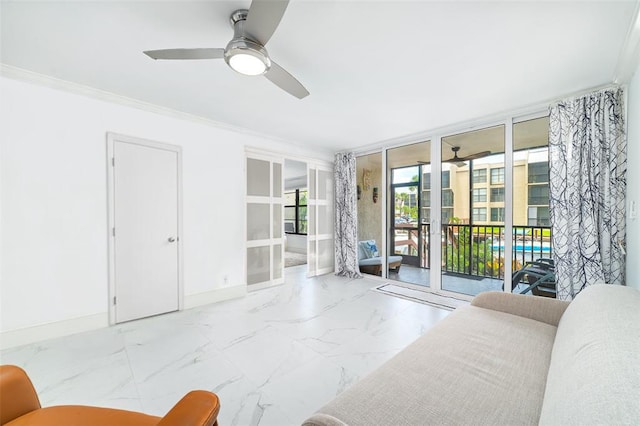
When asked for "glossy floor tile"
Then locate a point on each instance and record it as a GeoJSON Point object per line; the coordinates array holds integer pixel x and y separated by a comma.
{"type": "Point", "coordinates": [273, 357]}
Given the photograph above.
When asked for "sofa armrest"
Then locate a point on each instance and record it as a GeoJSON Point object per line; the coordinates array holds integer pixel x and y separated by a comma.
{"type": "Point", "coordinates": [197, 408]}
{"type": "Point", "coordinates": [540, 309]}
{"type": "Point", "coordinates": [17, 395]}
{"type": "Point", "coordinates": [321, 419]}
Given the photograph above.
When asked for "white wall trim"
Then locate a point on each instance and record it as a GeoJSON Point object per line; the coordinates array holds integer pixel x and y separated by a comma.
{"type": "Point", "coordinates": [23, 336]}
{"type": "Point", "coordinates": [214, 296]}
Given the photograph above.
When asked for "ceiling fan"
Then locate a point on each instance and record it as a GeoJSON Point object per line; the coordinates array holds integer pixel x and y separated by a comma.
{"type": "Point", "coordinates": [245, 53]}
{"type": "Point", "coordinates": [460, 161]}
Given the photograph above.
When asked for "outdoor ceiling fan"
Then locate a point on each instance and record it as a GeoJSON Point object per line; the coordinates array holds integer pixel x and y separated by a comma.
{"type": "Point", "coordinates": [245, 53]}
{"type": "Point", "coordinates": [460, 161]}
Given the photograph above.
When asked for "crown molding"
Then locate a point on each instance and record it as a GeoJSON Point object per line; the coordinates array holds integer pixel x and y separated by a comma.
{"type": "Point", "coordinates": [630, 54]}
{"type": "Point", "coordinates": [24, 75]}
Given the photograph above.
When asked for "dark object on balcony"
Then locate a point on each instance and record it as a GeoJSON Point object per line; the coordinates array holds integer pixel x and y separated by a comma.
{"type": "Point", "coordinates": [539, 276]}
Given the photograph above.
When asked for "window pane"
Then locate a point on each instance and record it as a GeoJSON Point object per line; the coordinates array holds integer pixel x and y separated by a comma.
{"type": "Point", "coordinates": [289, 213]}
{"type": "Point", "coordinates": [426, 181]}
{"type": "Point", "coordinates": [446, 179]}
{"type": "Point", "coordinates": [497, 214]}
{"type": "Point", "coordinates": [290, 198]}
{"type": "Point", "coordinates": [538, 195]}
{"type": "Point", "coordinates": [497, 195]}
{"type": "Point", "coordinates": [405, 174]}
{"type": "Point", "coordinates": [480, 176]}
{"type": "Point", "coordinates": [479, 195]}
{"type": "Point", "coordinates": [302, 220]}
{"type": "Point", "coordinates": [497, 175]}
{"type": "Point", "coordinates": [447, 198]}
{"type": "Point", "coordinates": [277, 180]}
{"type": "Point", "coordinates": [426, 198]}
{"type": "Point", "coordinates": [303, 197]}
{"type": "Point", "coordinates": [258, 178]}
{"type": "Point", "coordinates": [479, 214]}
{"type": "Point", "coordinates": [538, 172]}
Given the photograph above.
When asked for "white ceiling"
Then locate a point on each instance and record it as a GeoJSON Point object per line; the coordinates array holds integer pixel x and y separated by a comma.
{"type": "Point", "coordinates": [377, 71]}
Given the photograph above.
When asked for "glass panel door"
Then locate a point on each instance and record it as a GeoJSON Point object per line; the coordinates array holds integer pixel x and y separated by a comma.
{"type": "Point", "coordinates": [264, 232]}
{"type": "Point", "coordinates": [408, 203]}
{"type": "Point", "coordinates": [473, 170]}
{"type": "Point", "coordinates": [320, 233]}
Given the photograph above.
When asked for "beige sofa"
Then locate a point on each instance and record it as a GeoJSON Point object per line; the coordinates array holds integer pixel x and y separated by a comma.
{"type": "Point", "coordinates": [510, 360]}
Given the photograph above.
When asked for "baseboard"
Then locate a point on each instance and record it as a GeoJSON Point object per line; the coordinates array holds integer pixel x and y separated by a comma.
{"type": "Point", "coordinates": [23, 336]}
{"type": "Point", "coordinates": [214, 296]}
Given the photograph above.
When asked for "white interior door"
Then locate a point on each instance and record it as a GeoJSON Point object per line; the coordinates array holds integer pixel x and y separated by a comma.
{"type": "Point", "coordinates": [145, 232]}
{"type": "Point", "coordinates": [264, 232]}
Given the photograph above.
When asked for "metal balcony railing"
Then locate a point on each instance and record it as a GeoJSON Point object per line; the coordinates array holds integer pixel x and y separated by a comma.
{"type": "Point", "coordinates": [476, 250]}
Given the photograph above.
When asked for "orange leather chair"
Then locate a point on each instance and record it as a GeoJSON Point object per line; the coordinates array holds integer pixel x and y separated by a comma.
{"type": "Point", "coordinates": [19, 405]}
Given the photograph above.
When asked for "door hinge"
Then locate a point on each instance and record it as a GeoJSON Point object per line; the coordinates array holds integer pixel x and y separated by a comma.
{"type": "Point", "coordinates": [114, 300]}
{"type": "Point", "coordinates": [113, 161]}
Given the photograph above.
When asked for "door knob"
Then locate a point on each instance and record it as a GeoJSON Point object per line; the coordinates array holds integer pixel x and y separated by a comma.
{"type": "Point", "coordinates": [172, 239]}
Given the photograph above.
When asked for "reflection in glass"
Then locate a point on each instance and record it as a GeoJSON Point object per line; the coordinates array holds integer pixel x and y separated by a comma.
{"type": "Point", "coordinates": [531, 239]}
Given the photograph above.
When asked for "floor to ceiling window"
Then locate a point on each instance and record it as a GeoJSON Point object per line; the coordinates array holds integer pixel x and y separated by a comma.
{"type": "Point", "coordinates": [492, 188]}
{"type": "Point", "coordinates": [475, 164]}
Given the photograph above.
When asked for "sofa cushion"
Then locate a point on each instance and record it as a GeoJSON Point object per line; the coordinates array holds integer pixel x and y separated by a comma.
{"type": "Point", "coordinates": [476, 366]}
{"type": "Point", "coordinates": [374, 261]}
{"type": "Point", "coordinates": [594, 375]}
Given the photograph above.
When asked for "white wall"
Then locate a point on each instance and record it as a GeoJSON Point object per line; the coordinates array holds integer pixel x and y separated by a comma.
{"type": "Point", "coordinates": [633, 180]}
{"type": "Point", "coordinates": [53, 180]}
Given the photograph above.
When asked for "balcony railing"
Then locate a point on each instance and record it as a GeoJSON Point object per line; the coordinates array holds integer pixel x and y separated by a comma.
{"type": "Point", "coordinates": [474, 250]}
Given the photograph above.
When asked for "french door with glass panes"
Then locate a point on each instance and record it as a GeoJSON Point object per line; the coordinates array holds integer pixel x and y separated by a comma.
{"type": "Point", "coordinates": [264, 220]}
{"type": "Point", "coordinates": [320, 233]}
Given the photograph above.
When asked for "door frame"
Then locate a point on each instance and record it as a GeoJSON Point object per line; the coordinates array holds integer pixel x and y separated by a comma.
{"type": "Point", "coordinates": [112, 138]}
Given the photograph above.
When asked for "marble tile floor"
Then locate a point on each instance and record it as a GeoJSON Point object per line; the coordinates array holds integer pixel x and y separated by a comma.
{"type": "Point", "coordinates": [273, 357]}
{"type": "Point", "coordinates": [456, 283]}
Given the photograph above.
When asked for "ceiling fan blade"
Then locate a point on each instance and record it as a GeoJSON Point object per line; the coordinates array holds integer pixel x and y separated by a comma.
{"type": "Point", "coordinates": [281, 78]}
{"type": "Point", "coordinates": [204, 53]}
{"type": "Point", "coordinates": [264, 17]}
{"type": "Point", "coordinates": [475, 156]}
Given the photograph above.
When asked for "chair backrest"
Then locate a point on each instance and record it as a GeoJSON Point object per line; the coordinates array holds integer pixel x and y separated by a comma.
{"type": "Point", "coordinates": [17, 394]}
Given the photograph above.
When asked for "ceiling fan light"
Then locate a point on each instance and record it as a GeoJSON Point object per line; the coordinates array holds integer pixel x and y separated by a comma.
{"type": "Point", "coordinates": [247, 57]}
{"type": "Point", "coordinates": [247, 64]}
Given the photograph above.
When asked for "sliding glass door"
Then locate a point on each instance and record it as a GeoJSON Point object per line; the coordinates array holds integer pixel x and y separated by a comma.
{"type": "Point", "coordinates": [408, 223]}
{"type": "Point", "coordinates": [472, 206]}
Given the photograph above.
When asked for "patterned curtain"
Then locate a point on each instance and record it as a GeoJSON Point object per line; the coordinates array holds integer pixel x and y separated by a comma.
{"type": "Point", "coordinates": [588, 167]}
{"type": "Point", "coordinates": [346, 216]}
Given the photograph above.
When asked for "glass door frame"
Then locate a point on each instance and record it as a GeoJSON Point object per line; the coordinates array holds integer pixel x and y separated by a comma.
{"type": "Point", "coordinates": [435, 274]}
